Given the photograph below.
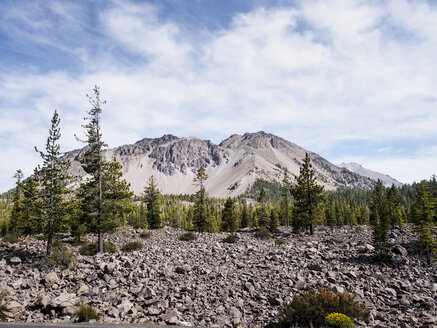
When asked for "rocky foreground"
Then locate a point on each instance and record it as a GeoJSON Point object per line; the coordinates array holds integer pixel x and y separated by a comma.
{"type": "Point", "coordinates": [212, 284]}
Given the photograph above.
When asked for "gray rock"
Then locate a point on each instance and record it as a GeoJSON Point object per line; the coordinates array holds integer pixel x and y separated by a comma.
{"type": "Point", "coordinates": [14, 307]}
{"type": "Point", "coordinates": [15, 261]}
{"type": "Point", "coordinates": [51, 278]}
{"type": "Point", "coordinates": [171, 317]}
{"type": "Point", "coordinates": [43, 300]}
{"type": "Point", "coordinates": [64, 300]}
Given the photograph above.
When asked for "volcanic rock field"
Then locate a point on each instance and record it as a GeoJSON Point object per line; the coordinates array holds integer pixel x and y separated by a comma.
{"type": "Point", "coordinates": [209, 283]}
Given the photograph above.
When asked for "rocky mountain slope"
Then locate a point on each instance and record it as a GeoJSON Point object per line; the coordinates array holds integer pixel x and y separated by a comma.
{"type": "Point", "coordinates": [208, 283]}
{"type": "Point", "coordinates": [387, 180]}
{"type": "Point", "coordinates": [232, 166]}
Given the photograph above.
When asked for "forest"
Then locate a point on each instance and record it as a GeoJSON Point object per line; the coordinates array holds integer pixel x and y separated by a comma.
{"type": "Point", "coordinates": [43, 205]}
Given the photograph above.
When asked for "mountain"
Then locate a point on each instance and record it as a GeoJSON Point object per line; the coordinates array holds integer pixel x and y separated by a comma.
{"type": "Point", "coordinates": [232, 166]}
{"type": "Point", "coordinates": [357, 168]}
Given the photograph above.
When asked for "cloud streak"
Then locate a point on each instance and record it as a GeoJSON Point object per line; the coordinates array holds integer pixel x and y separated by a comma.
{"type": "Point", "coordinates": [323, 74]}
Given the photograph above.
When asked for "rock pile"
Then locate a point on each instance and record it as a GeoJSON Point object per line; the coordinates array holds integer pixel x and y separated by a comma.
{"type": "Point", "coordinates": [213, 284]}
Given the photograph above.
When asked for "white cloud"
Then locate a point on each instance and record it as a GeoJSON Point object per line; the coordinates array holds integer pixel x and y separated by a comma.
{"type": "Point", "coordinates": [316, 74]}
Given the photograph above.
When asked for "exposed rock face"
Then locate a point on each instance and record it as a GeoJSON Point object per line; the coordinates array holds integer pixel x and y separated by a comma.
{"type": "Point", "coordinates": [208, 283]}
{"type": "Point", "coordinates": [357, 168]}
{"type": "Point", "coordinates": [232, 167]}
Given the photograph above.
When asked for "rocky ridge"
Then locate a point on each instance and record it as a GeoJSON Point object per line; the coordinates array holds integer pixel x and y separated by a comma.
{"type": "Point", "coordinates": [232, 166]}
{"type": "Point", "coordinates": [212, 284]}
{"type": "Point", "coordinates": [387, 180]}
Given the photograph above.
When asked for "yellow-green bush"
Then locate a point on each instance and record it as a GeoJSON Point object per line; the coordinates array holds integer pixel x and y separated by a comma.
{"type": "Point", "coordinates": [311, 308]}
{"type": "Point", "coordinates": [61, 255]}
{"type": "Point", "coordinates": [86, 312]}
{"type": "Point", "coordinates": [339, 320]}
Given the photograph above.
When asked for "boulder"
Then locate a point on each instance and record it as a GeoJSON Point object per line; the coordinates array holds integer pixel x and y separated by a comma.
{"type": "Point", "coordinates": [15, 260]}
{"type": "Point", "coordinates": [64, 300]}
{"type": "Point", "coordinates": [14, 307]}
{"type": "Point", "coordinates": [51, 278]}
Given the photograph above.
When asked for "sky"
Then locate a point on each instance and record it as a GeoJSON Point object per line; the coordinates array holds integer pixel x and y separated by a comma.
{"type": "Point", "coordinates": [354, 81]}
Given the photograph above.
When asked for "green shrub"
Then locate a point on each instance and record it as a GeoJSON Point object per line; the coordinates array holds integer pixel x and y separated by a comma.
{"type": "Point", "coordinates": [231, 239]}
{"type": "Point", "coordinates": [339, 320]}
{"type": "Point", "coordinates": [90, 249]}
{"type": "Point", "coordinates": [311, 308]}
{"type": "Point", "coordinates": [279, 241]}
{"type": "Point", "coordinates": [86, 312]}
{"type": "Point", "coordinates": [146, 234]}
{"type": "Point", "coordinates": [188, 236]}
{"type": "Point", "coordinates": [130, 247]}
{"type": "Point", "coordinates": [61, 256]}
{"type": "Point", "coordinates": [3, 306]}
{"type": "Point", "coordinates": [9, 238]}
{"type": "Point", "coordinates": [263, 233]}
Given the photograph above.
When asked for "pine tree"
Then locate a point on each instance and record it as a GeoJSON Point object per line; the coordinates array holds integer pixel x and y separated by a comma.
{"type": "Point", "coordinates": [245, 216]}
{"type": "Point", "coordinates": [307, 195]}
{"type": "Point", "coordinates": [330, 214]}
{"type": "Point", "coordinates": [423, 215]}
{"type": "Point", "coordinates": [285, 200]}
{"type": "Point", "coordinates": [151, 198]}
{"type": "Point", "coordinates": [274, 221]}
{"type": "Point", "coordinates": [229, 216]}
{"type": "Point", "coordinates": [31, 222]}
{"type": "Point", "coordinates": [380, 221]}
{"type": "Point", "coordinates": [18, 208]}
{"type": "Point", "coordinates": [53, 175]}
{"type": "Point", "coordinates": [117, 196]}
{"type": "Point", "coordinates": [200, 206]}
{"type": "Point", "coordinates": [394, 206]}
{"type": "Point", "coordinates": [104, 197]}
{"type": "Point", "coordinates": [262, 213]}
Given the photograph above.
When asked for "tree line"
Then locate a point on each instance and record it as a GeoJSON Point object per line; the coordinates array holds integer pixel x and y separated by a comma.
{"type": "Point", "coordinates": [45, 204]}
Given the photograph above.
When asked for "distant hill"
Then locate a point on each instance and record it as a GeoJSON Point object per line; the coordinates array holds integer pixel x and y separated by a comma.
{"type": "Point", "coordinates": [232, 166]}
{"type": "Point", "coordinates": [357, 168]}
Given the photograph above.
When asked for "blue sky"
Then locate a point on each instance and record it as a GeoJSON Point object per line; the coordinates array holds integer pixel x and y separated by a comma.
{"type": "Point", "coordinates": [350, 80]}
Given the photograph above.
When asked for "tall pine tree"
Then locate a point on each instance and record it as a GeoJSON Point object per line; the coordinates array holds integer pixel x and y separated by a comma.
{"type": "Point", "coordinates": [394, 206]}
{"type": "Point", "coordinates": [307, 195]}
{"type": "Point", "coordinates": [151, 198]}
{"type": "Point", "coordinates": [229, 216]}
{"type": "Point", "coordinates": [104, 196]}
{"type": "Point", "coordinates": [53, 176]}
{"type": "Point", "coordinates": [200, 205]}
{"type": "Point", "coordinates": [380, 221]}
{"type": "Point", "coordinates": [17, 213]}
{"type": "Point", "coordinates": [285, 200]}
{"type": "Point", "coordinates": [423, 216]}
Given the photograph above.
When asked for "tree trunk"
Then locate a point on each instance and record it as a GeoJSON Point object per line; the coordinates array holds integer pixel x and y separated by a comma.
{"type": "Point", "coordinates": [49, 240]}
{"type": "Point", "coordinates": [311, 229]}
{"type": "Point", "coordinates": [100, 242]}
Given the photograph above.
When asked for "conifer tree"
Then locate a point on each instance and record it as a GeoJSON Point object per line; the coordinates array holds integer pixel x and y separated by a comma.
{"type": "Point", "coordinates": [274, 221]}
{"type": "Point", "coordinates": [394, 206]}
{"type": "Point", "coordinates": [245, 216]}
{"type": "Point", "coordinates": [262, 213]}
{"type": "Point", "coordinates": [151, 198]}
{"type": "Point", "coordinates": [18, 208]}
{"type": "Point", "coordinates": [31, 221]}
{"type": "Point", "coordinates": [423, 215]}
{"type": "Point", "coordinates": [330, 214]}
{"type": "Point", "coordinates": [200, 205]}
{"type": "Point", "coordinates": [285, 200]}
{"type": "Point", "coordinates": [53, 175]}
{"type": "Point", "coordinates": [380, 222]}
{"type": "Point", "coordinates": [104, 197]}
{"type": "Point", "coordinates": [229, 216]}
{"type": "Point", "coordinates": [307, 195]}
